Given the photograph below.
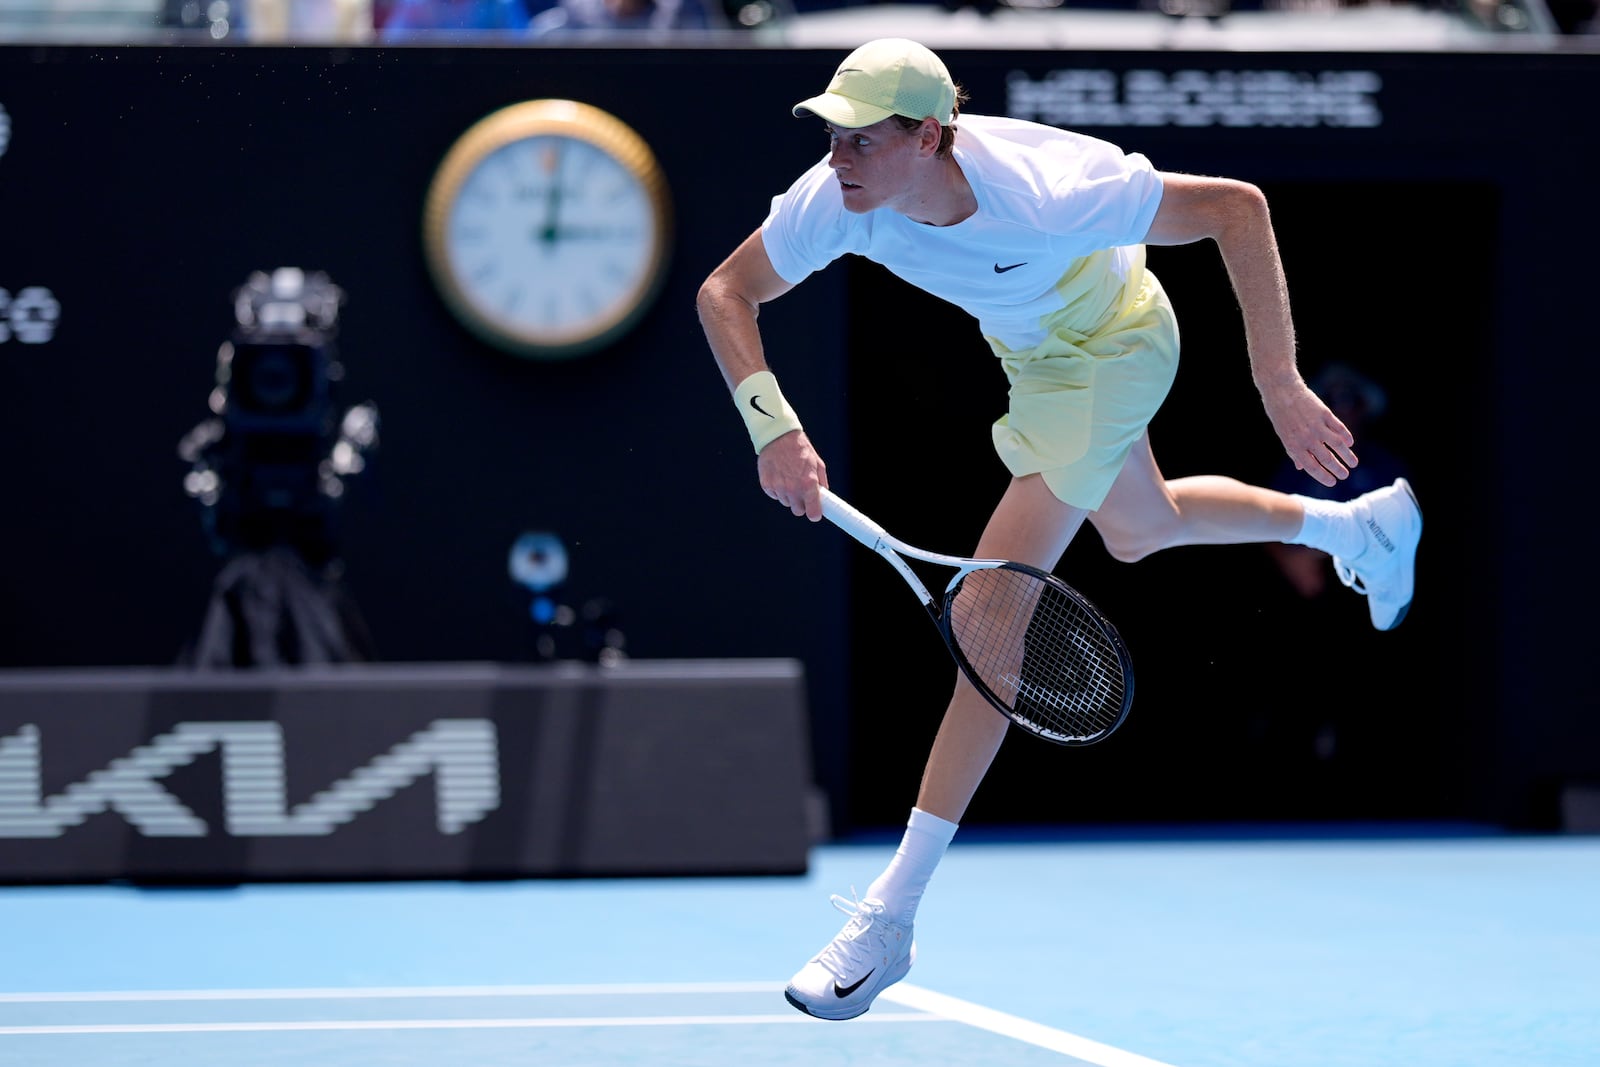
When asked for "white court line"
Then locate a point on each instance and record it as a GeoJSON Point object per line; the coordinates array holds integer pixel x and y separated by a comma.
{"type": "Point", "coordinates": [155, 996]}
{"type": "Point", "coordinates": [998, 1022]}
{"type": "Point", "coordinates": [455, 1024]}
{"type": "Point", "coordinates": [934, 1007]}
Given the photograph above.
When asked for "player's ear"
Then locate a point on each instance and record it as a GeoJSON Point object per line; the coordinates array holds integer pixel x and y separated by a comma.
{"type": "Point", "coordinates": [928, 135]}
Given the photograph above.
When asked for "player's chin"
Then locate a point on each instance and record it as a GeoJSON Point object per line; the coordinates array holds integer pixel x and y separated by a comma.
{"type": "Point", "coordinates": [855, 199]}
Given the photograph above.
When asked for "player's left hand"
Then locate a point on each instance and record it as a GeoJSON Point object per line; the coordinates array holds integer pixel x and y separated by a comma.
{"type": "Point", "coordinates": [1316, 440]}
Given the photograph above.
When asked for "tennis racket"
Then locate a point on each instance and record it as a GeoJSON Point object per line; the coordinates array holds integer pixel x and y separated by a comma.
{"type": "Point", "coordinates": [1030, 643]}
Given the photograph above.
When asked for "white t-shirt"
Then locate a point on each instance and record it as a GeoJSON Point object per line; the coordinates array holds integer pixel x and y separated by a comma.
{"type": "Point", "coordinates": [1059, 228]}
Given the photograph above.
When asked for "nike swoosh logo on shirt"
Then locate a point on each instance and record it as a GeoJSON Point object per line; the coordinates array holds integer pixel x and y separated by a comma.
{"type": "Point", "coordinates": [844, 991]}
{"type": "Point", "coordinates": [998, 269]}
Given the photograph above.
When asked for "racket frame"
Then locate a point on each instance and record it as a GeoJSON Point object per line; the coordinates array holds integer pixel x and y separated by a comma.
{"type": "Point", "coordinates": [867, 531]}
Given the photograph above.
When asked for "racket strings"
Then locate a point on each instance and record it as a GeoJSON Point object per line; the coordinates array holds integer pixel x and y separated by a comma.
{"type": "Point", "coordinates": [1040, 651]}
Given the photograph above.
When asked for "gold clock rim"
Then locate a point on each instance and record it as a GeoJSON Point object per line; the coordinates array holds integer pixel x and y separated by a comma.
{"type": "Point", "coordinates": [516, 122]}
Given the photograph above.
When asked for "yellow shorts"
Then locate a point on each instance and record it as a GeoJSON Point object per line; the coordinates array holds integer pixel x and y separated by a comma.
{"type": "Point", "coordinates": [1079, 403]}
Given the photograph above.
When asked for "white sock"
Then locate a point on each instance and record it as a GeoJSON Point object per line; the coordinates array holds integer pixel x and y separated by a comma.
{"type": "Point", "coordinates": [1330, 526]}
{"type": "Point", "coordinates": [900, 886]}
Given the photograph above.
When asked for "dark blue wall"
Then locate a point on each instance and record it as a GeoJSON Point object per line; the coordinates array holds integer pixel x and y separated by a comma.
{"type": "Point", "coordinates": [1446, 250]}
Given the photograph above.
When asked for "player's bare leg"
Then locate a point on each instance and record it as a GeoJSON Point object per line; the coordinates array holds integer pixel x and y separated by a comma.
{"type": "Point", "coordinates": [875, 948]}
{"type": "Point", "coordinates": [1144, 512]}
{"type": "Point", "coordinates": [1372, 539]}
{"type": "Point", "coordinates": [1030, 526]}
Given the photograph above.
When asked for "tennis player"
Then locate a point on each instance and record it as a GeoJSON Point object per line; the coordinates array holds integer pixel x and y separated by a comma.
{"type": "Point", "coordinates": [1040, 234]}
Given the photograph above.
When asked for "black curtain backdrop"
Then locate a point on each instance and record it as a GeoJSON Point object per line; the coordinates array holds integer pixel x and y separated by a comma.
{"type": "Point", "coordinates": [1446, 250]}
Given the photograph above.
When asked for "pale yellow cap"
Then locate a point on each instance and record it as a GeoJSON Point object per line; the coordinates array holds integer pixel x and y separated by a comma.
{"type": "Point", "coordinates": [889, 76]}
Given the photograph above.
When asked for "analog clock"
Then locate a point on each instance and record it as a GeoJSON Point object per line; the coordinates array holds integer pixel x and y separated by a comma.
{"type": "Point", "coordinates": [547, 228]}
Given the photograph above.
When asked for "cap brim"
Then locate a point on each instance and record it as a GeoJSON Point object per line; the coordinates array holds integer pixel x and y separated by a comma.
{"type": "Point", "coordinates": [842, 111]}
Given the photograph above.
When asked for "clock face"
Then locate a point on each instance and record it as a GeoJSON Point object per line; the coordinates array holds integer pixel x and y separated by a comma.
{"type": "Point", "coordinates": [547, 228]}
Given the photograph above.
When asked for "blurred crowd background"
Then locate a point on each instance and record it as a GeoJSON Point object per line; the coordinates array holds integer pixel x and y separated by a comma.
{"type": "Point", "coordinates": [383, 21]}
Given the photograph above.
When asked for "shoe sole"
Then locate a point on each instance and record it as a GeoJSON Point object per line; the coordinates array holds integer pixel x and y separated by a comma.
{"type": "Point", "coordinates": [899, 973]}
{"type": "Point", "coordinates": [1412, 563]}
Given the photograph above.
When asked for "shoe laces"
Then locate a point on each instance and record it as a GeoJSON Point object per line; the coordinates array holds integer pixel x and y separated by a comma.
{"type": "Point", "coordinates": [846, 954]}
{"type": "Point", "coordinates": [1347, 574]}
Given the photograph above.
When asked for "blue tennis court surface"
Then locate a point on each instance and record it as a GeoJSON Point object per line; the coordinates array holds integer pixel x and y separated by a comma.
{"type": "Point", "coordinates": [575, 1025]}
{"type": "Point", "coordinates": [1447, 949]}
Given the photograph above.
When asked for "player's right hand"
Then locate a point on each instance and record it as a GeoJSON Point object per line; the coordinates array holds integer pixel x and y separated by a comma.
{"type": "Point", "coordinates": [791, 472]}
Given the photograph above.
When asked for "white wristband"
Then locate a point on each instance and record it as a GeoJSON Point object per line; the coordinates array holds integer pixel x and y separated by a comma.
{"type": "Point", "coordinates": [767, 415]}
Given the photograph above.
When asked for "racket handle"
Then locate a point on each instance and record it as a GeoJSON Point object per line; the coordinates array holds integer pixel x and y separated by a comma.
{"type": "Point", "coordinates": [851, 521]}
{"type": "Point", "coordinates": [869, 533]}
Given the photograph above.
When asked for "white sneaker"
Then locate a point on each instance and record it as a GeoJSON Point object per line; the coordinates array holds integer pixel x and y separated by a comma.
{"type": "Point", "coordinates": [1385, 571]}
{"type": "Point", "coordinates": [869, 955]}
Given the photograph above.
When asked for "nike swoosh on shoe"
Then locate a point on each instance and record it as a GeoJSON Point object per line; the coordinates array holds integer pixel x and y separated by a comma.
{"type": "Point", "coordinates": [844, 991]}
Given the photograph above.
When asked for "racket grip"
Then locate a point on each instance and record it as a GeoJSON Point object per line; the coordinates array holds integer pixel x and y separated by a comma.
{"type": "Point", "coordinates": [837, 511]}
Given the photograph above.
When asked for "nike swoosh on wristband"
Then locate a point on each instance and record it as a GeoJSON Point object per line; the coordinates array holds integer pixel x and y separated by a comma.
{"type": "Point", "coordinates": [758, 407]}
{"type": "Point", "coordinates": [998, 269]}
{"type": "Point", "coordinates": [844, 991]}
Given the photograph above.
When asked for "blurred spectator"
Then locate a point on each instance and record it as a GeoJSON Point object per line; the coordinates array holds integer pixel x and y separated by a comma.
{"type": "Point", "coordinates": [1322, 745]}
{"type": "Point", "coordinates": [587, 16]}
{"type": "Point", "coordinates": [402, 18]}
{"type": "Point", "coordinates": [301, 21]}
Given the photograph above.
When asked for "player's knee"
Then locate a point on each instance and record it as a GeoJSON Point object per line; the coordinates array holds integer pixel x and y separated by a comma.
{"type": "Point", "coordinates": [1130, 544]}
{"type": "Point", "coordinates": [1124, 553]}
{"type": "Point", "coordinates": [1126, 546]}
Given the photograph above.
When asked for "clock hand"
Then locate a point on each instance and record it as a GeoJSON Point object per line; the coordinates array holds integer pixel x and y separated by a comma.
{"type": "Point", "coordinates": [551, 232]}
{"type": "Point", "coordinates": [587, 233]}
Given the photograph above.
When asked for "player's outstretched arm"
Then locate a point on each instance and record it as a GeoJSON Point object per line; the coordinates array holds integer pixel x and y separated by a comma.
{"type": "Point", "coordinates": [1234, 214]}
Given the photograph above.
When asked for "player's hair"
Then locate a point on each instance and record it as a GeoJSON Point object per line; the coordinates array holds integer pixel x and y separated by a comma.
{"type": "Point", "coordinates": [947, 133]}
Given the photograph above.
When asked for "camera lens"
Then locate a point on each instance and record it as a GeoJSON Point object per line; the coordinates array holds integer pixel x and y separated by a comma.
{"type": "Point", "coordinates": [273, 379]}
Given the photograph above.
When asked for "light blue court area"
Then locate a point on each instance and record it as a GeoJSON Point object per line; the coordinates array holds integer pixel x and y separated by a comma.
{"type": "Point", "coordinates": [1425, 946]}
{"type": "Point", "coordinates": [509, 1026]}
